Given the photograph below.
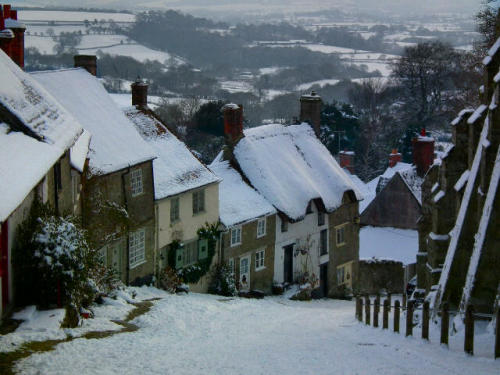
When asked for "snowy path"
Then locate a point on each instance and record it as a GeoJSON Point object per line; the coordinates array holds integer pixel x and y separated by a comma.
{"type": "Point", "coordinates": [202, 334]}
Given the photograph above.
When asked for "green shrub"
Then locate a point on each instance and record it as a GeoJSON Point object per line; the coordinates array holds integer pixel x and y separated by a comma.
{"type": "Point", "coordinates": [223, 281]}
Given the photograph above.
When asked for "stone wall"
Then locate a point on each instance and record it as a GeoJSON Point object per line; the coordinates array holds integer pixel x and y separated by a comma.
{"type": "Point", "coordinates": [377, 275]}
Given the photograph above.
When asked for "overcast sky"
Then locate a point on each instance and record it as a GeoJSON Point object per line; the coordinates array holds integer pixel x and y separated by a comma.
{"type": "Point", "coordinates": [402, 6]}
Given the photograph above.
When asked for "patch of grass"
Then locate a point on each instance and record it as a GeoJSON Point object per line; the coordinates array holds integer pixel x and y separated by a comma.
{"type": "Point", "coordinates": [9, 325]}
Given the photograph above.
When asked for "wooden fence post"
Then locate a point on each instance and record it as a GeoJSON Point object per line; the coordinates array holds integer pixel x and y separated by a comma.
{"type": "Point", "coordinates": [469, 330]}
{"type": "Point", "coordinates": [358, 306]}
{"type": "Point", "coordinates": [396, 316]}
{"type": "Point", "coordinates": [389, 298]}
{"type": "Point", "coordinates": [385, 316]}
{"type": "Point", "coordinates": [409, 318]}
{"type": "Point", "coordinates": [425, 321]}
{"type": "Point", "coordinates": [497, 335]}
{"type": "Point", "coordinates": [376, 309]}
{"type": "Point", "coordinates": [445, 323]}
{"type": "Point", "coordinates": [367, 310]}
{"type": "Point", "coordinates": [404, 300]}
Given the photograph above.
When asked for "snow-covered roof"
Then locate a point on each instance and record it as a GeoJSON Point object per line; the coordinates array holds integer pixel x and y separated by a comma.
{"type": "Point", "coordinates": [238, 202]}
{"type": "Point", "coordinates": [413, 181]}
{"type": "Point", "coordinates": [37, 112]}
{"type": "Point", "coordinates": [385, 243]}
{"type": "Point", "coordinates": [175, 169]}
{"type": "Point", "coordinates": [389, 173]}
{"type": "Point", "coordinates": [289, 166]}
{"type": "Point", "coordinates": [115, 143]}
{"type": "Point", "coordinates": [365, 189]}
{"type": "Point", "coordinates": [24, 163]}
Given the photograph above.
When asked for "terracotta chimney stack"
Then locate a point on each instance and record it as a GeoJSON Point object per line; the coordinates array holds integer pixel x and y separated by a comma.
{"type": "Point", "coordinates": [346, 159]}
{"type": "Point", "coordinates": [233, 123]}
{"type": "Point", "coordinates": [6, 11]}
{"type": "Point", "coordinates": [14, 48]}
{"type": "Point", "coordinates": [88, 62]}
{"type": "Point", "coordinates": [139, 93]}
{"type": "Point", "coordinates": [310, 111]}
{"type": "Point", "coordinates": [423, 152]}
{"type": "Point", "coordinates": [394, 158]}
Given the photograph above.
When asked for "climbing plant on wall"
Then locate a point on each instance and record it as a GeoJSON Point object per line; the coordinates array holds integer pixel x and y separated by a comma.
{"type": "Point", "coordinates": [207, 241]}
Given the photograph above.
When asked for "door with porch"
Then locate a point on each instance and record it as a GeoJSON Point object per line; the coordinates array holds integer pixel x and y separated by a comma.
{"type": "Point", "coordinates": [288, 264]}
{"type": "Point", "coordinates": [245, 273]}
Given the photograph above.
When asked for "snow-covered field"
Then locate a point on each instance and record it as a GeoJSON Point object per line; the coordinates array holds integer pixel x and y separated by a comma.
{"type": "Point", "coordinates": [68, 16]}
{"type": "Point", "coordinates": [204, 334]}
{"type": "Point", "coordinates": [388, 243]}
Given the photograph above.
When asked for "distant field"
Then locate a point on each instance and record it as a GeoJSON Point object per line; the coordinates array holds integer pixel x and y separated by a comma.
{"type": "Point", "coordinates": [63, 16]}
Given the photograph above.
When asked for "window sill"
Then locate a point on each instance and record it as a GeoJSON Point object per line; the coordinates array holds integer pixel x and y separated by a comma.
{"type": "Point", "coordinates": [260, 269]}
{"type": "Point", "coordinates": [132, 266]}
{"type": "Point", "coordinates": [235, 244]}
{"type": "Point", "coordinates": [199, 213]}
{"type": "Point", "coordinates": [341, 244]}
{"type": "Point", "coordinates": [262, 235]}
{"type": "Point", "coordinates": [137, 195]}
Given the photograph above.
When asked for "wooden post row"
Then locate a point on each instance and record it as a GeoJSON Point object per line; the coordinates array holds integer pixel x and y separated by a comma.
{"type": "Point", "coordinates": [409, 318]}
{"type": "Point", "coordinates": [396, 316]}
{"type": "Point", "coordinates": [376, 309]}
{"type": "Point", "coordinates": [385, 316]}
{"type": "Point", "coordinates": [367, 310]}
{"type": "Point", "coordinates": [469, 330]}
{"type": "Point", "coordinates": [425, 321]}
{"type": "Point", "coordinates": [445, 323]}
{"type": "Point", "coordinates": [497, 335]}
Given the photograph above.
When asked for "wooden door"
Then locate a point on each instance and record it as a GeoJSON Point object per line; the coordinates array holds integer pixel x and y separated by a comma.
{"type": "Point", "coordinates": [288, 264]}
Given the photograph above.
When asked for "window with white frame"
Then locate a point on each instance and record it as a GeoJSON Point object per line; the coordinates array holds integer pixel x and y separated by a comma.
{"type": "Point", "coordinates": [261, 227]}
{"type": "Point", "coordinates": [137, 248]}
{"type": "Point", "coordinates": [259, 260]}
{"type": "Point", "coordinates": [198, 201]}
{"type": "Point", "coordinates": [230, 263]}
{"type": "Point", "coordinates": [341, 275]}
{"type": "Point", "coordinates": [323, 242]}
{"type": "Point", "coordinates": [136, 182]}
{"type": "Point", "coordinates": [236, 236]}
{"type": "Point", "coordinates": [340, 235]}
{"type": "Point", "coordinates": [174, 210]}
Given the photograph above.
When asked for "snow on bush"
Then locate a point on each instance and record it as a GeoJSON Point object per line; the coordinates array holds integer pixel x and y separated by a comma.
{"type": "Point", "coordinates": [223, 281]}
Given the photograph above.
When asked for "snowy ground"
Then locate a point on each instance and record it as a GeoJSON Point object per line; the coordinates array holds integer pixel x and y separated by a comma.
{"type": "Point", "coordinates": [203, 334]}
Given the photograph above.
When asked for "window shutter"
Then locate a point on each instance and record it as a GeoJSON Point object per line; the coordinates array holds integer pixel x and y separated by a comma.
{"type": "Point", "coordinates": [202, 249]}
{"type": "Point", "coordinates": [179, 257]}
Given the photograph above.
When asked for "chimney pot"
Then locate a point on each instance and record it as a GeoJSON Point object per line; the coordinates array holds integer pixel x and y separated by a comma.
{"type": "Point", "coordinates": [13, 14]}
{"type": "Point", "coordinates": [88, 62]}
{"type": "Point", "coordinates": [6, 11]}
{"type": "Point", "coordinates": [423, 153]}
{"type": "Point", "coordinates": [139, 93]}
{"type": "Point", "coordinates": [233, 123]}
{"type": "Point", "coordinates": [2, 21]}
{"type": "Point", "coordinates": [394, 158]}
{"type": "Point", "coordinates": [346, 159]}
{"type": "Point", "coordinates": [310, 111]}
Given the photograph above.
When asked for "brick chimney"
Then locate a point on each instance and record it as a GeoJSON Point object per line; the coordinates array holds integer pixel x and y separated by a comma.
{"type": "Point", "coordinates": [88, 62]}
{"type": "Point", "coordinates": [394, 158]}
{"type": "Point", "coordinates": [346, 159]}
{"type": "Point", "coordinates": [6, 36]}
{"type": "Point", "coordinates": [423, 152]}
{"type": "Point", "coordinates": [310, 111]}
{"type": "Point", "coordinates": [139, 93]}
{"type": "Point", "coordinates": [233, 123]}
{"type": "Point", "coordinates": [15, 47]}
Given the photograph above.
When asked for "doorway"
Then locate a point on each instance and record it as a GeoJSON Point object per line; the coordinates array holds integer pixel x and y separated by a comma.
{"type": "Point", "coordinates": [245, 273]}
{"type": "Point", "coordinates": [323, 279]}
{"type": "Point", "coordinates": [288, 264]}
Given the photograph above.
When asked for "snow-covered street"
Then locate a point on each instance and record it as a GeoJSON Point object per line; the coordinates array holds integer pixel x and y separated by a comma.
{"type": "Point", "coordinates": [205, 334]}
